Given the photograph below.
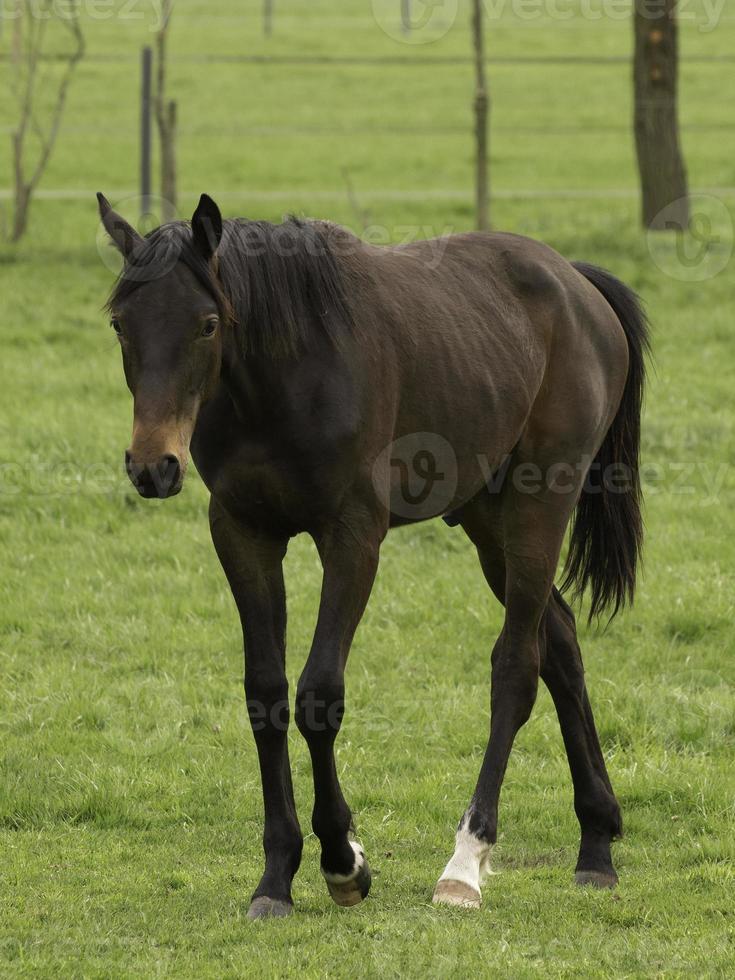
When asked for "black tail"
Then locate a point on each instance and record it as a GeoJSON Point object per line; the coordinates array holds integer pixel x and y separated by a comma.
{"type": "Point", "coordinates": [607, 532]}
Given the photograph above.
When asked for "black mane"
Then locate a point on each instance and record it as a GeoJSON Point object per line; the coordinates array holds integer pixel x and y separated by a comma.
{"type": "Point", "coordinates": [278, 285]}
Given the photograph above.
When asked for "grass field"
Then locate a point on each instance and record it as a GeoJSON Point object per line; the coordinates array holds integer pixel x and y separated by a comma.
{"type": "Point", "coordinates": [130, 808]}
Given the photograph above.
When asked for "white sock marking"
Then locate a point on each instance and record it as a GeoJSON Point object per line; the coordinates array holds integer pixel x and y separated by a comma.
{"type": "Point", "coordinates": [470, 862]}
{"type": "Point", "coordinates": [338, 879]}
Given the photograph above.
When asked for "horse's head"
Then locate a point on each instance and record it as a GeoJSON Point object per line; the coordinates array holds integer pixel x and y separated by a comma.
{"type": "Point", "coordinates": [167, 315]}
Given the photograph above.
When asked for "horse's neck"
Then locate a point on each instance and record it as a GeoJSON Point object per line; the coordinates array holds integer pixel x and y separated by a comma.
{"type": "Point", "coordinates": [248, 391]}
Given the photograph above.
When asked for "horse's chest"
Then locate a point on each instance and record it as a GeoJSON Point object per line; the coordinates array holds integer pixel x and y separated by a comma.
{"type": "Point", "coordinates": [283, 488]}
{"type": "Point", "coordinates": [252, 481]}
{"type": "Point", "coordinates": [266, 494]}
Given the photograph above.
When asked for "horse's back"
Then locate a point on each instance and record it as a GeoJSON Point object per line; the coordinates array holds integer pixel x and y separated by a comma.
{"type": "Point", "coordinates": [495, 333]}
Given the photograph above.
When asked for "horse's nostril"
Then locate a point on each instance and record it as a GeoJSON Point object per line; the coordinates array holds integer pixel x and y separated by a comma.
{"type": "Point", "coordinates": [170, 469]}
{"type": "Point", "coordinates": [131, 468]}
{"type": "Point", "coordinates": [160, 479]}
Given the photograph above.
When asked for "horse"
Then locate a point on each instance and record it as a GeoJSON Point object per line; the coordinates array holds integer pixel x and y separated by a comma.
{"type": "Point", "coordinates": [328, 386]}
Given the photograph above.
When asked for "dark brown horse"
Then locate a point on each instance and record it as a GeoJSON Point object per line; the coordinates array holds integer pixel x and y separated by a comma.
{"type": "Point", "coordinates": [329, 386]}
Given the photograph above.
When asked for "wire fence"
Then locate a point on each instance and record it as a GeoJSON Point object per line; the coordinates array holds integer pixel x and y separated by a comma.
{"type": "Point", "coordinates": [408, 61]}
{"type": "Point", "coordinates": [417, 61]}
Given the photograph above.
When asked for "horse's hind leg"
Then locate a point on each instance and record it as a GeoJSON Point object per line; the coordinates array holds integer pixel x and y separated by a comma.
{"type": "Point", "coordinates": [462, 877]}
{"type": "Point", "coordinates": [518, 536]}
{"type": "Point", "coordinates": [594, 801]}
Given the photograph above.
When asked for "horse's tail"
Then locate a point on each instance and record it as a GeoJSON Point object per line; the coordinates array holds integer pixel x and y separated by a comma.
{"type": "Point", "coordinates": [607, 531]}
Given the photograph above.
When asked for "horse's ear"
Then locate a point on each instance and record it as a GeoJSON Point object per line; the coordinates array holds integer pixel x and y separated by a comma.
{"type": "Point", "coordinates": [124, 236]}
{"type": "Point", "coordinates": [206, 226]}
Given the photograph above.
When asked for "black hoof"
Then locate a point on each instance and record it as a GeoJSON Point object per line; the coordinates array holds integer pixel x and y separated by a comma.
{"type": "Point", "coordinates": [352, 892]}
{"type": "Point", "coordinates": [269, 908]}
{"type": "Point", "coordinates": [598, 879]}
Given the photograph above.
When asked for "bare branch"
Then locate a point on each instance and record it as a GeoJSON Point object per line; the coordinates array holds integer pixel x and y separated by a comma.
{"type": "Point", "coordinates": [58, 111]}
{"type": "Point", "coordinates": [29, 37]}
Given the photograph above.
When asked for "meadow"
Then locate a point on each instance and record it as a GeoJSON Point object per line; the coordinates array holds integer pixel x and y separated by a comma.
{"type": "Point", "coordinates": [130, 806]}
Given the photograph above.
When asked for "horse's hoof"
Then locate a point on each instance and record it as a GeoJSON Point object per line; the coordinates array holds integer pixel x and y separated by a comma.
{"type": "Point", "coordinates": [269, 908]}
{"type": "Point", "coordinates": [349, 890]}
{"type": "Point", "coordinates": [451, 892]}
{"type": "Point", "coordinates": [598, 879]}
{"type": "Point", "coordinates": [349, 893]}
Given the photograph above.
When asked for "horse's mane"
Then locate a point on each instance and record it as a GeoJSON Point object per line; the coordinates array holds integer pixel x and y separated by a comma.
{"type": "Point", "coordinates": [280, 286]}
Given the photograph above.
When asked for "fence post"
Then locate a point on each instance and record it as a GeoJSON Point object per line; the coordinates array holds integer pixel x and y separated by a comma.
{"type": "Point", "coordinates": [482, 102]}
{"type": "Point", "coordinates": [268, 17]}
{"type": "Point", "coordinates": [663, 175]}
{"type": "Point", "coordinates": [145, 131]}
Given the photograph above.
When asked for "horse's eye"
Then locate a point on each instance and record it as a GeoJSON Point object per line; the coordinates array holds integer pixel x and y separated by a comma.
{"type": "Point", "coordinates": [210, 326]}
{"type": "Point", "coordinates": [115, 324]}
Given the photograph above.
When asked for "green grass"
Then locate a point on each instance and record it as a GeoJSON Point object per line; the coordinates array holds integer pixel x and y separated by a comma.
{"type": "Point", "coordinates": [130, 811]}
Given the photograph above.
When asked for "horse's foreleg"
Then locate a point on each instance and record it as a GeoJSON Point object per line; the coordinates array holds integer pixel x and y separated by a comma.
{"type": "Point", "coordinates": [349, 553]}
{"type": "Point", "coordinates": [253, 565]}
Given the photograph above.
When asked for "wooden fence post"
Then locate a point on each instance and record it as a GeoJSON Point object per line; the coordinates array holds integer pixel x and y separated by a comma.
{"type": "Point", "coordinates": [482, 102]}
{"type": "Point", "coordinates": [145, 131]}
{"type": "Point", "coordinates": [166, 118]}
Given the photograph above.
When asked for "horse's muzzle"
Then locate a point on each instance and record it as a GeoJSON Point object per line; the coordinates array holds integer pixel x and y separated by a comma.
{"type": "Point", "coordinates": [163, 478]}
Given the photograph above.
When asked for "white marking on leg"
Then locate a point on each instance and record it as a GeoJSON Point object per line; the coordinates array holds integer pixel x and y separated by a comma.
{"type": "Point", "coordinates": [338, 879]}
{"type": "Point", "coordinates": [470, 862]}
